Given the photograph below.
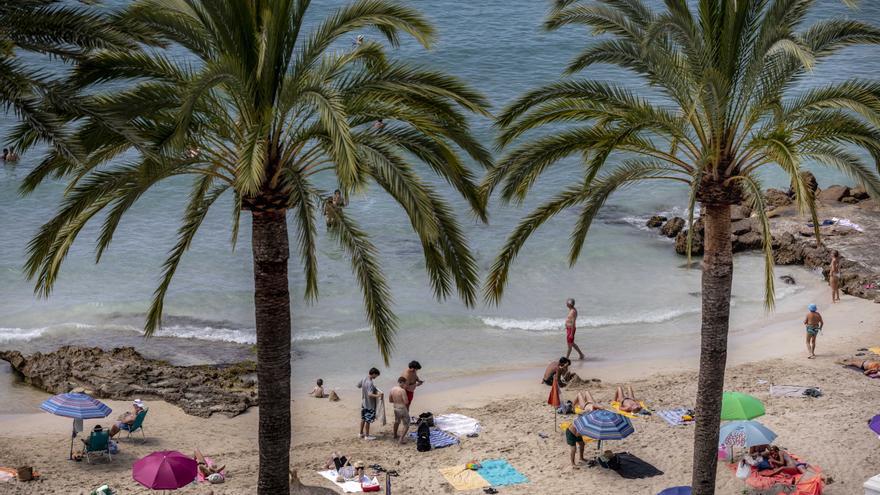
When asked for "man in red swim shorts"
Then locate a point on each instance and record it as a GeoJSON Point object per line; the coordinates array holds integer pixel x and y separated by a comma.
{"type": "Point", "coordinates": [412, 380]}
{"type": "Point", "coordinates": [570, 328]}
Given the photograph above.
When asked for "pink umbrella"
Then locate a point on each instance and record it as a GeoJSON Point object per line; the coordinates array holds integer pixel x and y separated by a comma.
{"type": "Point", "coordinates": [165, 470]}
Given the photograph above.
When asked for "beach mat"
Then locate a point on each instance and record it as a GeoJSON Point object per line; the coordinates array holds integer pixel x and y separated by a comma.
{"type": "Point", "coordinates": [673, 416]}
{"type": "Point", "coordinates": [790, 391]}
{"type": "Point", "coordinates": [499, 472]}
{"type": "Point", "coordinates": [632, 468]}
{"type": "Point", "coordinates": [457, 424]}
{"type": "Point", "coordinates": [439, 438]}
{"type": "Point", "coordinates": [461, 478]}
{"type": "Point", "coordinates": [347, 486]}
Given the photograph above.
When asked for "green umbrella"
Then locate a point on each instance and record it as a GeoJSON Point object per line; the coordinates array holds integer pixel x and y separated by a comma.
{"type": "Point", "coordinates": [738, 406]}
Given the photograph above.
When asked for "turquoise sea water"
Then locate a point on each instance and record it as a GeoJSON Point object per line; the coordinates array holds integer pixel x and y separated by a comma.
{"type": "Point", "coordinates": [634, 295]}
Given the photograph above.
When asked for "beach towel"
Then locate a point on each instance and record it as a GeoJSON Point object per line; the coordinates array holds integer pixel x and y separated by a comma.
{"type": "Point", "coordinates": [564, 426]}
{"type": "Point", "coordinates": [804, 484]}
{"type": "Point", "coordinates": [615, 406]}
{"type": "Point", "coordinates": [439, 438]}
{"type": "Point", "coordinates": [457, 424]}
{"type": "Point", "coordinates": [673, 416]}
{"type": "Point", "coordinates": [462, 478]}
{"type": "Point", "coordinates": [790, 391]}
{"type": "Point", "coordinates": [875, 350]}
{"type": "Point", "coordinates": [347, 486]}
{"type": "Point", "coordinates": [631, 467]}
{"type": "Point", "coordinates": [846, 222]}
{"type": "Point", "coordinates": [380, 410]}
{"type": "Point", "coordinates": [499, 472]}
{"type": "Point", "coordinates": [7, 474]}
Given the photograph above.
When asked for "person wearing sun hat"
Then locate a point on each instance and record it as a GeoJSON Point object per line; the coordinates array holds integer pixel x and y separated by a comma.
{"type": "Point", "coordinates": [814, 324]}
{"type": "Point", "coordinates": [127, 419]}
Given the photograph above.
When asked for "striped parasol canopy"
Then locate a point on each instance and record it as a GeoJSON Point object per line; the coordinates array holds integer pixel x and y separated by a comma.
{"type": "Point", "coordinates": [77, 406]}
{"type": "Point", "coordinates": [745, 434]}
{"type": "Point", "coordinates": [603, 425]}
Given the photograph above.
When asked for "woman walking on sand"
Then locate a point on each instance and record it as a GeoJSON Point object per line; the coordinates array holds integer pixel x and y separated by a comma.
{"type": "Point", "coordinates": [834, 276]}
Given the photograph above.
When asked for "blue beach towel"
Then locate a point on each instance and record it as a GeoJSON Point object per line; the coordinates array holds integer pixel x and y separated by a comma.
{"type": "Point", "coordinates": [673, 416]}
{"type": "Point", "coordinates": [439, 438]}
{"type": "Point", "coordinates": [499, 472]}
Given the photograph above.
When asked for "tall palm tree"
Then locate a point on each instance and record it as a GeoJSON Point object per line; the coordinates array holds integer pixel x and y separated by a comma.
{"type": "Point", "coordinates": [267, 109]}
{"type": "Point", "coordinates": [58, 29]}
{"type": "Point", "coordinates": [728, 109]}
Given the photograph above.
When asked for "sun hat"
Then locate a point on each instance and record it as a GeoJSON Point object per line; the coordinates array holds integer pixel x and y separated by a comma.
{"type": "Point", "coordinates": [138, 403]}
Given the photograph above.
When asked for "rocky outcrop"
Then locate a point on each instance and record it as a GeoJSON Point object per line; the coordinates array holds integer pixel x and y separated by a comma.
{"type": "Point", "coordinates": [124, 374]}
{"type": "Point", "coordinates": [774, 198]}
{"type": "Point", "coordinates": [833, 193]}
{"type": "Point", "coordinates": [672, 227]}
{"type": "Point", "coordinates": [656, 221]}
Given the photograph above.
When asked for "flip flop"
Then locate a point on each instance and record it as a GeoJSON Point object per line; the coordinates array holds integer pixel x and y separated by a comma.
{"type": "Point", "coordinates": [490, 490]}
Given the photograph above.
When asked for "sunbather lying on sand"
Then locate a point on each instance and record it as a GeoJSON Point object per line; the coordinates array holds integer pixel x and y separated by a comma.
{"type": "Point", "coordinates": [628, 402]}
{"type": "Point", "coordinates": [866, 365]}
{"type": "Point", "coordinates": [585, 401]}
{"type": "Point", "coordinates": [782, 461]}
{"type": "Point", "coordinates": [209, 468]}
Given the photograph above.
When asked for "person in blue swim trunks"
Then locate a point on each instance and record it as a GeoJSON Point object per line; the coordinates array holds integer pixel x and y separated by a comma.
{"type": "Point", "coordinates": [814, 324]}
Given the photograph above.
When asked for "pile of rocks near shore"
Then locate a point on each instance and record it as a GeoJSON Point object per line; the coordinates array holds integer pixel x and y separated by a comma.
{"type": "Point", "coordinates": [793, 240]}
{"type": "Point", "coordinates": [123, 373]}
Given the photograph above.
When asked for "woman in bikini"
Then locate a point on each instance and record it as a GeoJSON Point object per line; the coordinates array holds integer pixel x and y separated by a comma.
{"type": "Point", "coordinates": [628, 402]}
{"type": "Point", "coordinates": [834, 276]}
{"type": "Point", "coordinates": [585, 401]}
{"type": "Point", "coordinates": [866, 365]}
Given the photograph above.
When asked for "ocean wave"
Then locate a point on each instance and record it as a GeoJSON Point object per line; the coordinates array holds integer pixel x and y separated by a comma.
{"type": "Point", "coordinates": [640, 221]}
{"type": "Point", "coordinates": [552, 324]}
{"type": "Point", "coordinates": [20, 334]}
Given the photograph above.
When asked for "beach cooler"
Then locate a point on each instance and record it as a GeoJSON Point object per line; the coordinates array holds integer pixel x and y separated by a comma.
{"type": "Point", "coordinates": [872, 486]}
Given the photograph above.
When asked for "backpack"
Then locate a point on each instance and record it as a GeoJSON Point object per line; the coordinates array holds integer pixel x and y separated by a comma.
{"type": "Point", "coordinates": [423, 437]}
{"type": "Point", "coordinates": [427, 417]}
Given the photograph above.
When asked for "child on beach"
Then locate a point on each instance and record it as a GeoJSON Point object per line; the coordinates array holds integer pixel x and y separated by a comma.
{"type": "Point", "coordinates": [814, 324]}
{"type": "Point", "coordinates": [318, 391]}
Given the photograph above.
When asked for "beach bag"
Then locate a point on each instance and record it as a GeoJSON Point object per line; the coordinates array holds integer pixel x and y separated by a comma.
{"type": "Point", "coordinates": [423, 437]}
{"type": "Point", "coordinates": [25, 473]}
{"type": "Point", "coordinates": [371, 486]}
{"type": "Point", "coordinates": [567, 408]}
{"type": "Point", "coordinates": [427, 417]}
{"type": "Point", "coordinates": [113, 447]}
{"type": "Point", "coordinates": [743, 470]}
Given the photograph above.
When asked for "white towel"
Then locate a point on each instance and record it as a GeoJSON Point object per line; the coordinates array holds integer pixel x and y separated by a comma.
{"type": "Point", "coordinates": [789, 390]}
{"type": "Point", "coordinates": [457, 424]}
{"type": "Point", "coordinates": [380, 408]}
{"type": "Point", "coordinates": [347, 486]}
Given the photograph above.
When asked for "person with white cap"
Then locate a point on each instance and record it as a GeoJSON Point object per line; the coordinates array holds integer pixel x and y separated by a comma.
{"type": "Point", "coordinates": [814, 324]}
{"type": "Point", "coordinates": [127, 419]}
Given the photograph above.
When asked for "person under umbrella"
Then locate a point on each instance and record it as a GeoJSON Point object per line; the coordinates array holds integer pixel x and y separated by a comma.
{"type": "Point", "coordinates": [78, 407]}
{"type": "Point", "coordinates": [602, 425]}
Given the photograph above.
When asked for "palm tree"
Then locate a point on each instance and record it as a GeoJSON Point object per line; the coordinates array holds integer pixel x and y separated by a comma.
{"type": "Point", "coordinates": [725, 73]}
{"type": "Point", "coordinates": [57, 29]}
{"type": "Point", "coordinates": [267, 109]}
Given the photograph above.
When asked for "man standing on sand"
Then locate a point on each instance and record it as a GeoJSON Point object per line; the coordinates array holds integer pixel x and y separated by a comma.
{"type": "Point", "coordinates": [398, 398]}
{"type": "Point", "coordinates": [412, 380]}
{"type": "Point", "coordinates": [370, 397]}
{"type": "Point", "coordinates": [570, 328]}
{"type": "Point", "coordinates": [814, 324]}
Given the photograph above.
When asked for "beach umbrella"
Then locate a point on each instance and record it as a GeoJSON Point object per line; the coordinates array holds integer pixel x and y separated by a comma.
{"type": "Point", "coordinates": [874, 424]}
{"type": "Point", "coordinates": [165, 470]}
{"type": "Point", "coordinates": [603, 425]}
{"type": "Point", "coordinates": [739, 406]}
{"type": "Point", "coordinates": [76, 406]}
{"type": "Point", "coordinates": [745, 434]}
{"type": "Point", "coordinates": [553, 399]}
{"type": "Point", "coordinates": [676, 490]}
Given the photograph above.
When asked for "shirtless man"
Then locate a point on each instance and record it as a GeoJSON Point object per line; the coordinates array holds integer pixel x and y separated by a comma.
{"type": "Point", "coordinates": [570, 328]}
{"type": "Point", "coordinates": [869, 367]}
{"type": "Point", "coordinates": [834, 276]}
{"type": "Point", "coordinates": [412, 380]}
{"type": "Point", "coordinates": [559, 368]}
{"type": "Point", "coordinates": [399, 399]}
{"type": "Point", "coordinates": [814, 324]}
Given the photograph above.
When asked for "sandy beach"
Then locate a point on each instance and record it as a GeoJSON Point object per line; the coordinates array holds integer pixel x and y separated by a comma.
{"type": "Point", "coordinates": [829, 431]}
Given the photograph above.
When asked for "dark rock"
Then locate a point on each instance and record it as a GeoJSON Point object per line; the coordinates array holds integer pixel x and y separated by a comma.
{"type": "Point", "coordinates": [786, 251]}
{"type": "Point", "coordinates": [696, 243]}
{"type": "Point", "coordinates": [859, 193]}
{"type": "Point", "coordinates": [788, 279]}
{"type": "Point", "coordinates": [672, 227]}
{"type": "Point", "coordinates": [833, 193]}
{"type": "Point", "coordinates": [748, 241]}
{"type": "Point", "coordinates": [739, 212]}
{"type": "Point", "coordinates": [655, 221]}
{"type": "Point", "coordinates": [741, 227]}
{"type": "Point", "coordinates": [810, 181]}
{"type": "Point", "coordinates": [774, 198]}
{"type": "Point", "coordinates": [123, 374]}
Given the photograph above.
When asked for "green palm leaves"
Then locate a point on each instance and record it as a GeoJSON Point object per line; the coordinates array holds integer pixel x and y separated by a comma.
{"type": "Point", "coordinates": [267, 112]}
{"type": "Point", "coordinates": [725, 73]}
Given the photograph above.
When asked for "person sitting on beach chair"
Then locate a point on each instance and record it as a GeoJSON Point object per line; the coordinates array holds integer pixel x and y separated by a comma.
{"type": "Point", "coordinates": [628, 402]}
{"type": "Point", "coordinates": [869, 367]}
{"type": "Point", "coordinates": [127, 419]}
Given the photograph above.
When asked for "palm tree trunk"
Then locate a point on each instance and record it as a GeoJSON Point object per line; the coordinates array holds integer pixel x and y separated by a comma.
{"type": "Point", "coordinates": [272, 304]}
{"type": "Point", "coordinates": [717, 280]}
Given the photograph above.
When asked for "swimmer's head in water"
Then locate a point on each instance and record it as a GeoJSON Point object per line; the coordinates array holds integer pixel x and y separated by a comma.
{"type": "Point", "coordinates": [569, 302]}
{"type": "Point", "coordinates": [320, 382]}
{"type": "Point", "coordinates": [812, 307]}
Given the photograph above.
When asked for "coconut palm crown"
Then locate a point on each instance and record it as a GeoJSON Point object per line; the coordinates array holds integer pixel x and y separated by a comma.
{"type": "Point", "coordinates": [270, 104]}
{"type": "Point", "coordinates": [729, 107]}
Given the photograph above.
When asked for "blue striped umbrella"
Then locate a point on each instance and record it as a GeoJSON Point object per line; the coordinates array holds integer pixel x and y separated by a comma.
{"type": "Point", "coordinates": [676, 490]}
{"type": "Point", "coordinates": [76, 406]}
{"type": "Point", "coordinates": [603, 425]}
